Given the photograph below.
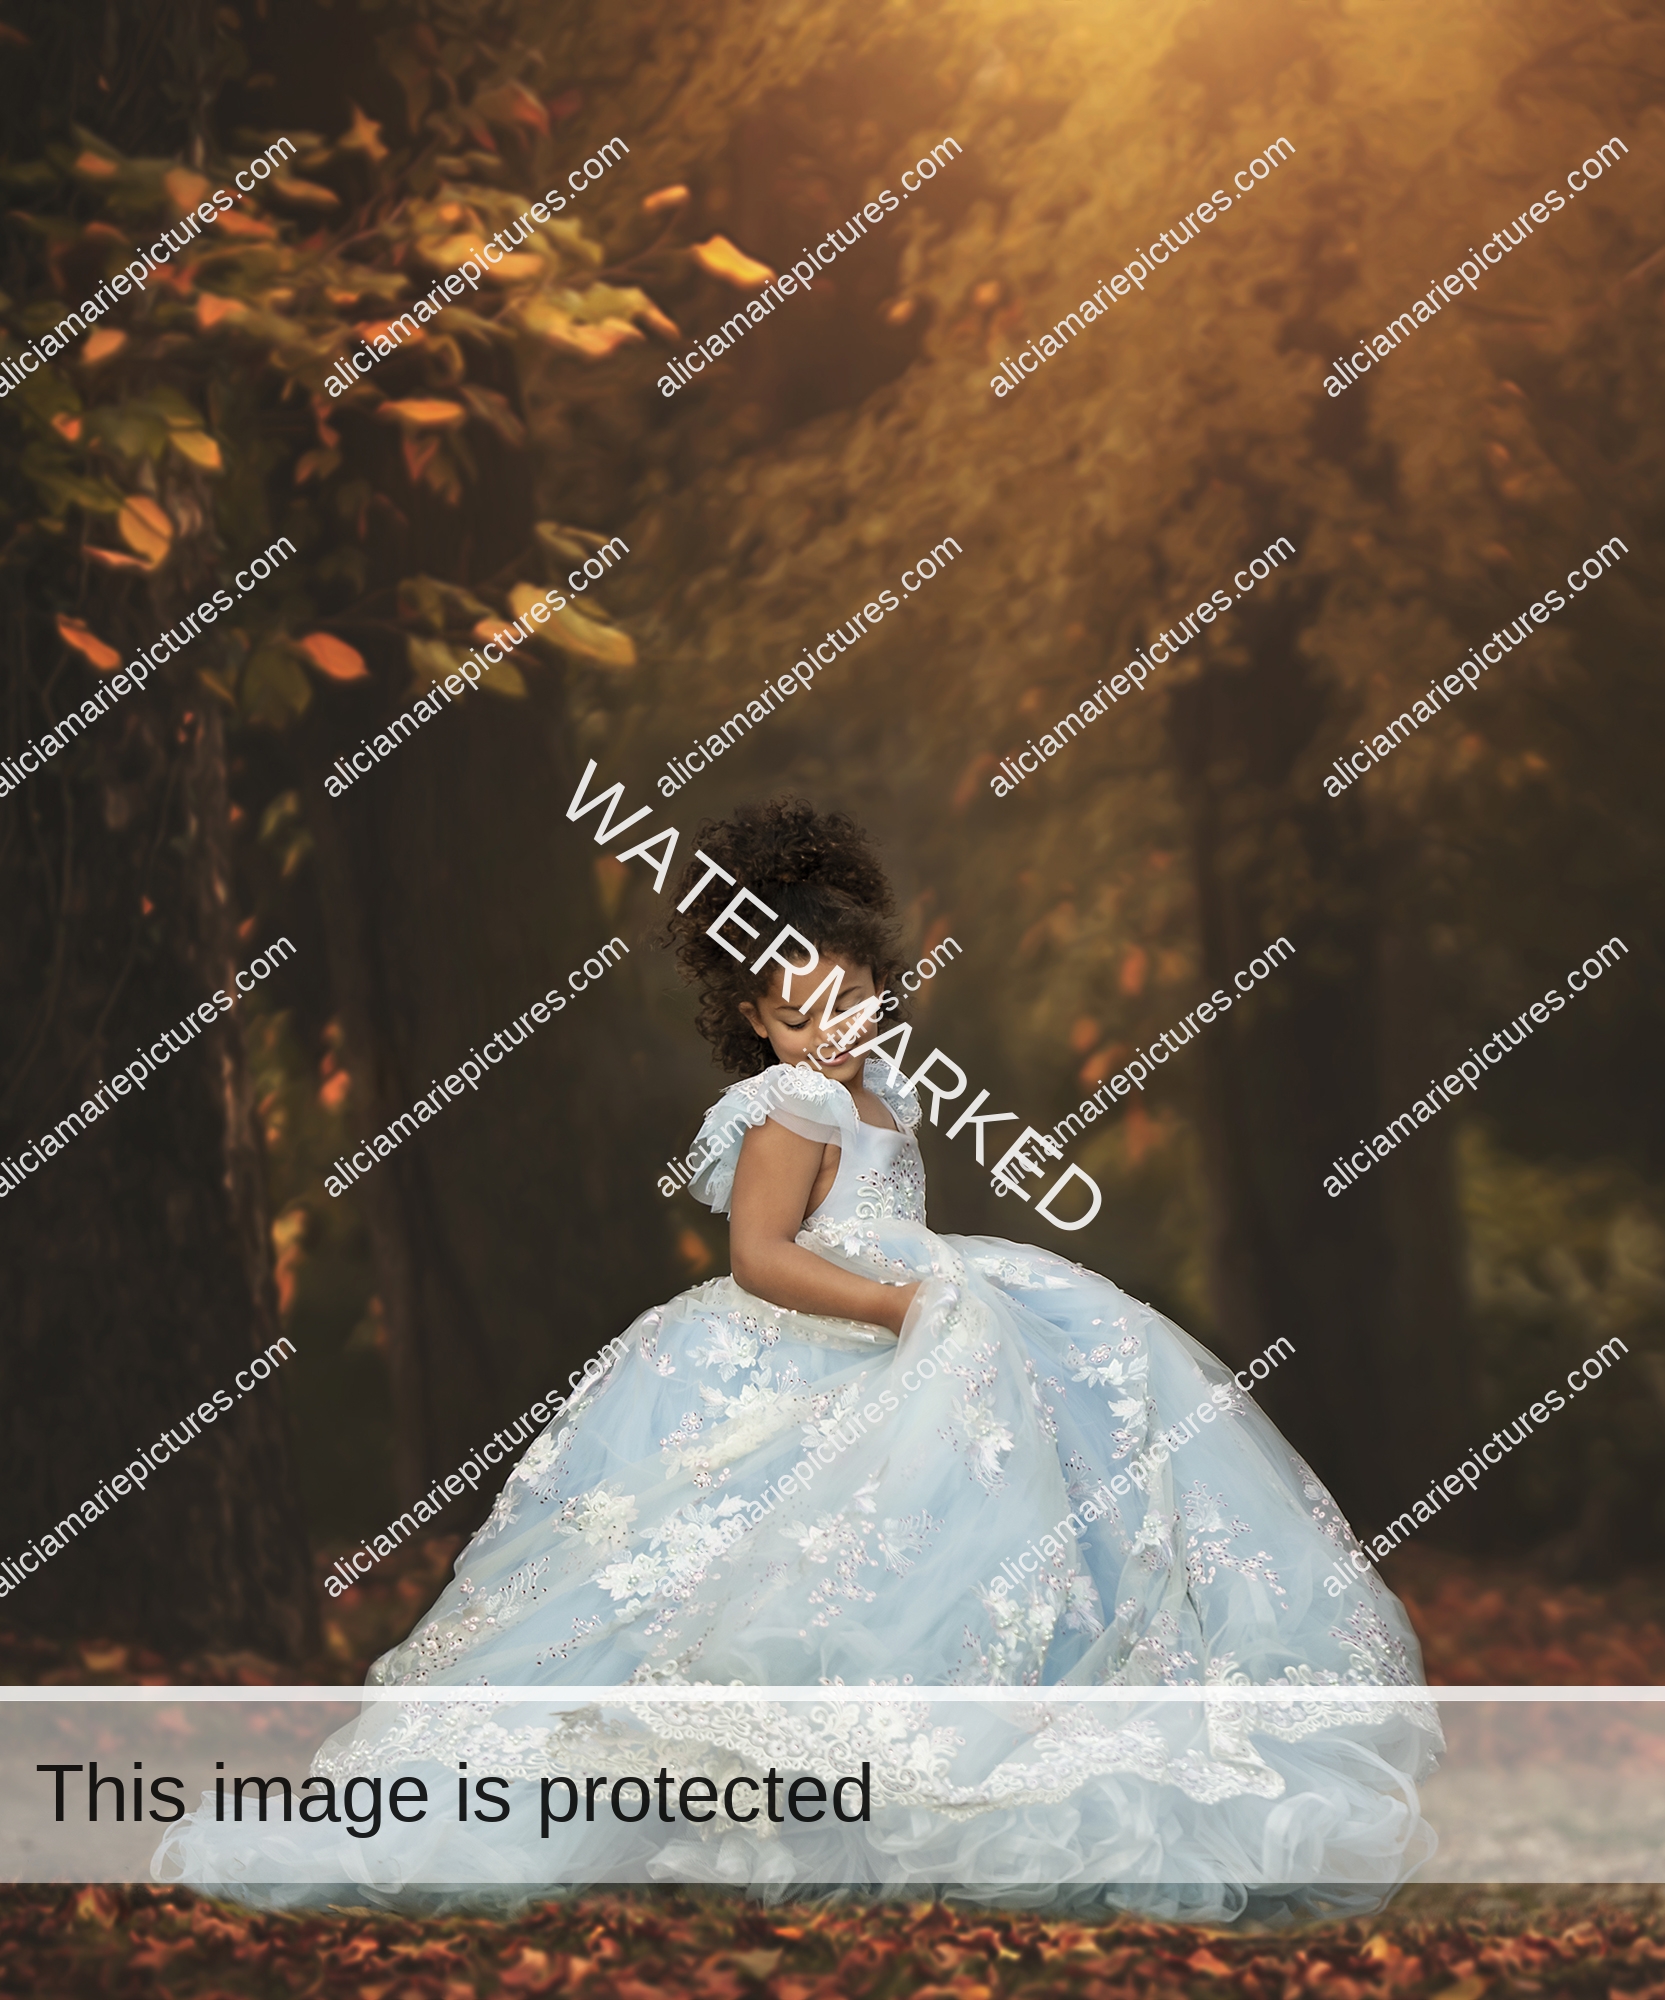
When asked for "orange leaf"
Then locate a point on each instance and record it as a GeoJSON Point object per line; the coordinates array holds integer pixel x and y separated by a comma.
{"type": "Point", "coordinates": [334, 657]}
{"type": "Point", "coordinates": [234, 224]}
{"type": "Point", "coordinates": [419, 454]}
{"type": "Point", "coordinates": [91, 648]}
{"type": "Point", "coordinates": [212, 308]}
{"type": "Point", "coordinates": [1102, 1063]}
{"type": "Point", "coordinates": [493, 628]}
{"type": "Point", "coordinates": [515, 104]}
{"type": "Point", "coordinates": [519, 268]}
{"type": "Point", "coordinates": [199, 448]}
{"type": "Point", "coordinates": [185, 189]}
{"type": "Point", "coordinates": [1205, 1961]}
{"type": "Point", "coordinates": [368, 330]}
{"type": "Point", "coordinates": [306, 194]}
{"type": "Point", "coordinates": [528, 111]}
{"type": "Point", "coordinates": [96, 1906]}
{"type": "Point", "coordinates": [734, 267]}
{"type": "Point", "coordinates": [971, 780]}
{"type": "Point", "coordinates": [594, 339]}
{"type": "Point", "coordinates": [693, 1251]}
{"type": "Point", "coordinates": [364, 135]}
{"type": "Point", "coordinates": [145, 529]}
{"type": "Point", "coordinates": [67, 426]}
{"type": "Point", "coordinates": [113, 559]}
{"type": "Point", "coordinates": [599, 338]}
{"type": "Point", "coordinates": [1139, 1133]}
{"type": "Point", "coordinates": [425, 413]}
{"type": "Point", "coordinates": [663, 198]}
{"type": "Point", "coordinates": [95, 166]}
{"type": "Point", "coordinates": [531, 1971]}
{"type": "Point", "coordinates": [101, 345]}
{"type": "Point", "coordinates": [1133, 970]}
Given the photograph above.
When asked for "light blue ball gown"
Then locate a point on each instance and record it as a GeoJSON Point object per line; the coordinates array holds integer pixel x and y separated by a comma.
{"type": "Point", "coordinates": [961, 1517]}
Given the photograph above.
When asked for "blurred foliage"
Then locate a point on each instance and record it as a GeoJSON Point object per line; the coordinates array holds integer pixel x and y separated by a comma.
{"type": "Point", "coordinates": [1136, 472]}
{"type": "Point", "coordinates": [199, 426]}
{"type": "Point", "coordinates": [1145, 465]}
{"type": "Point", "coordinates": [1562, 1261]}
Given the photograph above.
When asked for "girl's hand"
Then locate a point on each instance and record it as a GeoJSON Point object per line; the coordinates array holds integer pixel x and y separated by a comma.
{"type": "Point", "coordinates": [900, 1298]}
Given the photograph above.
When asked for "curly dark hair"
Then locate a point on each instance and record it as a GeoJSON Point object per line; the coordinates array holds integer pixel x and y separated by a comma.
{"type": "Point", "coordinates": [817, 871]}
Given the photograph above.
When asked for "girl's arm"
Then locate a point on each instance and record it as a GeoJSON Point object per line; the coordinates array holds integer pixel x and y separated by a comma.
{"type": "Point", "coordinates": [772, 1185]}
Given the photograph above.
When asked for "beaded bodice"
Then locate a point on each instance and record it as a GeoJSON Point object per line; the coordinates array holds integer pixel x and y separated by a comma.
{"type": "Point", "coordinates": [881, 1178]}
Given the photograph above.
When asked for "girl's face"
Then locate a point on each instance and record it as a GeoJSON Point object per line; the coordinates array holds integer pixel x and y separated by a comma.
{"type": "Point", "coordinates": [795, 1033]}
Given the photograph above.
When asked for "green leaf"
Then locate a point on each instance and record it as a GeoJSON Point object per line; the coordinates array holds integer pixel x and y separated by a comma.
{"type": "Point", "coordinates": [175, 410]}
{"type": "Point", "coordinates": [216, 684]}
{"type": "Point", "coordinates": [275, 687]}
{"type": "Point", "coordinates": [571, 237]}
{"type": "Point", "coordinates": [431, 659]}
{"type": "Point", "coordinates": [568, 544]}
{"type": "Point", "coordinates": [506, 679]}
{"type": "Point", "coordinates": [494, 409]}
{"type": "Point", "coordinates": [432, 604]}
{"type": "Point", "coordinates": [130, 429]}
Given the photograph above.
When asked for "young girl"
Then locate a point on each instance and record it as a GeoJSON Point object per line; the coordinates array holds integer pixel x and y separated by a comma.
{"type": "Point", "coordinates": [881, 1458]}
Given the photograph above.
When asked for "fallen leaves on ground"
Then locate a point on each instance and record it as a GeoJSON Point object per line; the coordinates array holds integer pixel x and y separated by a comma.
{"type": "Point", "coordinates": [1501, 1625]}
{"type": "Point", "coordinates": [706, 1946]}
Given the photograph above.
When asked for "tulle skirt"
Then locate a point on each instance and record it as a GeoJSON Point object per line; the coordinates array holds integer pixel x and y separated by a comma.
{"type": "Point", "coordinates": [1030, 1573]}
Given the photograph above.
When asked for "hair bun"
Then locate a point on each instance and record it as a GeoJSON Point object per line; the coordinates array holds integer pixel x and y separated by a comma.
{"type": "Point", "coordinates": [786, 843]}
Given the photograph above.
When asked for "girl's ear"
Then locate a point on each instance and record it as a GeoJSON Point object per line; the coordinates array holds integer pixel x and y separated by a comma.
{"type": "Point", "coordinates": [748, 1010]}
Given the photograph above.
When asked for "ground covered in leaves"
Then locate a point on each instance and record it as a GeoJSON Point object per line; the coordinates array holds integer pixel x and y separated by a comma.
{"type": "Point", "coordinates": [1477, 1625]}
{"type": "Point", "coordinates": [1459, 1945]}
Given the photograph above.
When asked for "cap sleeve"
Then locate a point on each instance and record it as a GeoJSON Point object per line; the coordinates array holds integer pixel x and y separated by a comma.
{"type": "Point", "coordinates": [800, 1098]}
{"type": "Point", "coordinates": [894, 1091]}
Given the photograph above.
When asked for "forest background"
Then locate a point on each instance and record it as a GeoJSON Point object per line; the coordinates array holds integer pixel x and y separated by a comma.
{"type": "Point", "coordinates": [851, 433]}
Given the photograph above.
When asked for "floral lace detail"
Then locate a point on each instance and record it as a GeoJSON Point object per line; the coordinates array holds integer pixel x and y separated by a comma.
{"type": "Point", "coordinates": [893, 1091]}
{"type": "Point", "coordinates": [1122, 1366]}
{"type": "Point", "coordinates": [893, 1193]}
{"type": "Point", "coordinates": [601, 1518]}
{"type": "Point", "coordinates": [1207, 1534]}
{"type": "Point", "coordinates": [1333, 1525]}
{"type": "Point", "coordinates": [912, 1748]}
{"type": "Point", "coordinates": [841, 1543]}
{"type": "Point", "coordinates": [677, 1559]}
{"type": "Point", "coordinates": [1379, 1657]}
{"type": "Point", "coordinates": [733, 1345]}
{"type": "Point", "coordinates": [1023, 1274]}
{"type": "Point", "coordinates": [852, 1240]}
{"type": "Point", "coordinates": [764, 1407]}
{"type": "Point", "coordinates": [443, 1642]}
{"type": "Point", "coordinates": [534, 1478]}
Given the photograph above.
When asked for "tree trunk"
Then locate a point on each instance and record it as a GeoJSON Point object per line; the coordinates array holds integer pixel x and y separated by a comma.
{"type": "Point", "coordinates": [518, 1230]}
{"type": "Point", "coordinates": [1366, 1286]}
{"type": "Point", "coordinates": [136, 1261]}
